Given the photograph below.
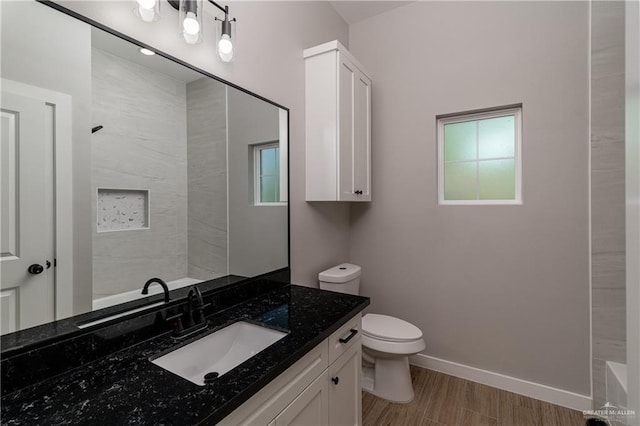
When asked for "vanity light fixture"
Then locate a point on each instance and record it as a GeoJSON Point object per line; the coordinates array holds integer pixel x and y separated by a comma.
{"type": "Point", "coordinates": [190, 22]}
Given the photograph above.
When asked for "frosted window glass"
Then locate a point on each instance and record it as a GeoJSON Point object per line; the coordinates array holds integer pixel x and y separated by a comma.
{"type": "Point", "coordinates": [497, 179]}
{"type": "Point", "coordinates": [268, 189]}
{"type": "Point", "coordinates": [496, 137]}
{"type": "Point", "coordinates": [268, 161]}
{"type": "Point", "coordinates": [460, 141]}
{"type": "Point", "coordinates": [460, 181]}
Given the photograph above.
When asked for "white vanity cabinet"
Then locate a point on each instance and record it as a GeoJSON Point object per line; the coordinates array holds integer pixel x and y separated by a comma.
{"type": "Point", "coordinates": [338, 125]}
{"type": "Point", "coordinates": [322, 388]}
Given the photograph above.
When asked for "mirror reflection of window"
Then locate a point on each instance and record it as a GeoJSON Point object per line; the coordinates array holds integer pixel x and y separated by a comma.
{"type": "Point", "coordinates": [267, 174]}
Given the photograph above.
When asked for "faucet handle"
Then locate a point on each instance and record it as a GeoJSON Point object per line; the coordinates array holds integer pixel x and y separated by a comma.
{"type": "Point", "coordinates": [199, 315]}
{"type": "Point", "coordinates": [178, 327]}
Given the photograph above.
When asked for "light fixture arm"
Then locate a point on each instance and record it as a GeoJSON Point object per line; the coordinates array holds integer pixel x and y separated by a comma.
{"type": "Point", "coordinates": [226, 22]}
{"type": "Point", "coordinates": [224, 9]}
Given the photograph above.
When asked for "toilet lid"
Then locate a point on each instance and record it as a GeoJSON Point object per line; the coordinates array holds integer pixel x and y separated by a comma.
{"type": "Point", "coordinates": [389, 328]}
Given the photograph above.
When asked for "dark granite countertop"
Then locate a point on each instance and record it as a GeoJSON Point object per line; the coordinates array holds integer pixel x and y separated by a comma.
{"type": "Point", "coordinates": [124, 387]}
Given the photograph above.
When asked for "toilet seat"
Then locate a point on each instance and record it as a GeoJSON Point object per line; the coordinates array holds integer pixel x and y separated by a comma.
{"type": "Point", "coordinates": [389, 335]}
{"type": "Point", "coordinates": [389, 329]}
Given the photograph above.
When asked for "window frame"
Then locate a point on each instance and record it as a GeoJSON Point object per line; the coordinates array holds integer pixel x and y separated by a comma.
{"type": "Point", "coordinates": [257, 148]}
{"type": "Point", "coordinates": [442, 120]}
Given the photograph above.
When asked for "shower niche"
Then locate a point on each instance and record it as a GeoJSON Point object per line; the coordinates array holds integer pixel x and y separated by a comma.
{"type": "Point", "coordinates": [122, 209]}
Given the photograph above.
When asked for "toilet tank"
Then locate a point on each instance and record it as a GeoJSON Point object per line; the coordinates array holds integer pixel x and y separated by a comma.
{"type": "Point", "coordinates": [343, 278]}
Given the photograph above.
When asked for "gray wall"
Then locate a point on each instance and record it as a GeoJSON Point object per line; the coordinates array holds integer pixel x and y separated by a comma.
{"type": "Point", "coordinates": [207, 176]}
{"type": "Point", "coordinates": [500, 288]}
{"type": "Point", "coordinates": [143, 145]}
{"type": "Point", "coordinates": [257, 234]}
{"type": "Point", "coordinates": [607, 190]}
{"type": "Point", "coordinates": [61, 61]}
{"type": "Point", "coordinates": [270, 40]}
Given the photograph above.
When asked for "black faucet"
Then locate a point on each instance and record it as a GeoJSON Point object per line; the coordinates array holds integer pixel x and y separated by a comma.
{"type": "Point", "coordinates": [198, 318]}
{"type": "Point", "coordinates": [195, 320]}
{"type": "Point", "coordinates": [145, 289]}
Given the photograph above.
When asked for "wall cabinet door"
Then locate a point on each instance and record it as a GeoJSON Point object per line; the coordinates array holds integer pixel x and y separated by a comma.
{"type": "Point", "coordinates": [310, 407]}
{"type": "Point", "coordinates": [354, 137]}
{"type": "Point", "coordinates": [362, 138]}
{"type": "Point", "coordinates": [345, 395]}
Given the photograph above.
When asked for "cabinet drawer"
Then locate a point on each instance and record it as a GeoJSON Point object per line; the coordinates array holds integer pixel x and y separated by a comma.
{"type": "Point", "coordinates": [344, 337]}
{"type": "Point", "coordinates": [264, 406]}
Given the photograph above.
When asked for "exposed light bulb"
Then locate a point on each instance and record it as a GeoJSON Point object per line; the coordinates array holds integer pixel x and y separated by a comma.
{"type": "Point", "coordinates": [146, 51]}
{"type": "Point", "coordinates": [190, 24]}
{"type": "Point", "coordinates": [146, 15]}
{"type": "Point", "coordinates": [191, 28]}
{"type": "Point", "coordinates": [147, 10]}
{"type": "Point", "coordinates": [147, 4]}
{"type": "Point", "coordinates": [225, 46]}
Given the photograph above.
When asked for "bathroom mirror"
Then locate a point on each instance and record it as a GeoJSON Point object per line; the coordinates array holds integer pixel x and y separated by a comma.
{"type": "Point", "coordinates": [160, 169]}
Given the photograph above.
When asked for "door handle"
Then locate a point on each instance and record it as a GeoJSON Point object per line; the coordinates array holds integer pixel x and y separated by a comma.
{"type": "Point", "coordinates": [35, 269]}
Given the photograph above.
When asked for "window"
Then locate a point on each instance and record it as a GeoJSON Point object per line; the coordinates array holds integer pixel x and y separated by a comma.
{"type": "Point", "coordinates": [479, 157]}
{"type": "Point", "coordinates": [267, 174]}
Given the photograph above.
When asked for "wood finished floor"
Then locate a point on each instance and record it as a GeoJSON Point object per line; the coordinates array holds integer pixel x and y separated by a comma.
{"type": "Point", "coordinates": [443, 400]}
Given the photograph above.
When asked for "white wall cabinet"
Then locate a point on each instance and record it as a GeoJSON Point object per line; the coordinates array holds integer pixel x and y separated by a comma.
{"type": "Point", "coordinates": [338, 125]}
{"type": "Point", "coordinates": [322, 388]}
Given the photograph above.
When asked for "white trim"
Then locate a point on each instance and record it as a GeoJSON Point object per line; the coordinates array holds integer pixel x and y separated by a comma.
{"type": "Point", "coordinates": [516, 112]}
{"type": "Point", "coordinates": [589, 213]}
{"type": "Point", "coordinates": [63, 157]}
{"type": "Point", "coordinates": [632, 199]}
{"type": "Point", "coordinates": [283, 132]}
{"type": "Point", "coordinates": [523, 387]}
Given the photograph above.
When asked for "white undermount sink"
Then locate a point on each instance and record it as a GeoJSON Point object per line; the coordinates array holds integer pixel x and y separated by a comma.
{"type": "Point", "coordinates": [218, 352]}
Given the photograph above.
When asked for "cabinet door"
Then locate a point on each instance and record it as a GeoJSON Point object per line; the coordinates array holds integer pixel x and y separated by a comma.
{"type": "Point", "coordinates": [345, 395]}
{"type": "Point", "coordinates": [310, 407]}
{"type": "Point", "coordinates": [347, 82]}
{"type": "Point", "coordinates": [362, 138]}
{"type": "Point", "coordinates": [269, 402]}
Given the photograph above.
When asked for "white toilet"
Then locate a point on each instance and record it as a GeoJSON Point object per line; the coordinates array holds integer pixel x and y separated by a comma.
{"type": "Point", "coordinates": [387, 341]}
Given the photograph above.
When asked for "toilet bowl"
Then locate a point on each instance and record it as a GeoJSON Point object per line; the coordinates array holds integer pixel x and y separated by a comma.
{"type": "Point", "coordinates": [387, 342]}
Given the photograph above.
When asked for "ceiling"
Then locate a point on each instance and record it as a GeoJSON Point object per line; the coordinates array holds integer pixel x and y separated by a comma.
{"type": "Point", "coordinates": [125, 50]}
{"type": "Point", "coordinates": [356, 11]}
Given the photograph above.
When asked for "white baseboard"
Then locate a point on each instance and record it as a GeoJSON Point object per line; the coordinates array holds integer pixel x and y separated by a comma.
{"type": "Point", "coordinates": [533, 390]}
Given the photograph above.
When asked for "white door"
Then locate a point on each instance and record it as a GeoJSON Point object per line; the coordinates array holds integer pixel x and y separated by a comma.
{"type": "Point", "coordinates": [27, 228]}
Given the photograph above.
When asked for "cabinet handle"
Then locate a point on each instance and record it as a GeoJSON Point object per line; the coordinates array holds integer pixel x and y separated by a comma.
{"type": "Point", "coordinates": [335, 380]}
{"type": "Point", "coordinates": [351, 335]}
